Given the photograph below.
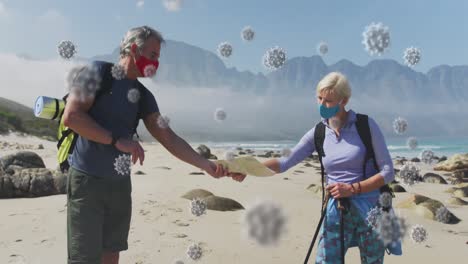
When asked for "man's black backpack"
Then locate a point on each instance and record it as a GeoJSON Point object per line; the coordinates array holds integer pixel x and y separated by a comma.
{"type": "Point", "coordinates": [362, 126]}
{"type": "Point", "coordinates": [66, 137]}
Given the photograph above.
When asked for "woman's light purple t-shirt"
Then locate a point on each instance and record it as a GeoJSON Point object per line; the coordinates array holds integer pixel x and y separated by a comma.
{"type": "Point", "coordinates": [344, 155]}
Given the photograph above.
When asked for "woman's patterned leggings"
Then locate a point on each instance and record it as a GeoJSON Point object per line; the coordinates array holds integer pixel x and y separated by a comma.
{"type": "Point", "coordinates": [356, 233]}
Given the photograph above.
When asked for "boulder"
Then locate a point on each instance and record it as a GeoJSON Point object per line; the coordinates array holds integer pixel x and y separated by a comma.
{"type": "Point", "coordinates": [213, 202]}
{"type": "Point", "coordinates": [197, 193]}
{"type": "Point", "coordinates": [22, 159]}
{"type": "Point", "coordinates": [415, 160]}
{"type": "Point", "coordinates": [456, 201]}
{"type": "Point", "coordinates": [397, 188]}
{"type": "Point", "coordinates": [427, 208]}
{"type": "Point", "coordinates": [7, 190]}
{"type": "Point", "coordinates": [461, 173]}
{"type": "Point", "coordinates": [33, 182]}
{"type": "Point", "coordinates": [461, 192]}
{"type": "Point", "coordinates": [204, 151]}
{"type": "Point", "coordinates": [433, 178]}
{"type": "Point", "coordinates": [456, 162]}
{"type": "Point", "coordinates": [222, 204]}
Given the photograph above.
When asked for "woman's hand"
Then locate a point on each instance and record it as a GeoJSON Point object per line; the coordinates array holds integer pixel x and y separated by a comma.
{"type": "Point", "coordinates": [340, 190]}
{"type": "Point", "coordinates": [237, 176]}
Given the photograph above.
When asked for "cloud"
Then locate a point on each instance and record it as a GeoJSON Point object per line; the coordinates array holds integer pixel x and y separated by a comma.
{"type": "Point", "coordinates": [173, 5]}
{"type": "Point", "coordinates": [249, 116]}
{"type": "Point", "coordinates": [3, 10]}
{"type": "Point", "coordinates": [51, 15]}
{"type": "Point", "coordinates": [140, 3]}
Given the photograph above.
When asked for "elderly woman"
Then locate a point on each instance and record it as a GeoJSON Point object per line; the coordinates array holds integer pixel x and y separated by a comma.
{"type": "Point", "coordinates": [343, 162]}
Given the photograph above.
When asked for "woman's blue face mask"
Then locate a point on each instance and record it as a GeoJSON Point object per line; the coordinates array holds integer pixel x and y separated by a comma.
{"type": "Point", "coordinates": [329, 112]}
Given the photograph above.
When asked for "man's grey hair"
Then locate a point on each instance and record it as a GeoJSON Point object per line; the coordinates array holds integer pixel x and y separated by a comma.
{"type": "Point", "coordinates": [139, 36]}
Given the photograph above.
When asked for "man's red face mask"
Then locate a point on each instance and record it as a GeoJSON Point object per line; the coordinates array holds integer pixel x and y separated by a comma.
{"type": "Point", "coordinates": [146, 66]}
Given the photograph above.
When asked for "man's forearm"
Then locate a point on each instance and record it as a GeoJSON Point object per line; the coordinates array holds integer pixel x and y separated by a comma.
{"type": "Point", "coordinates": [183, 151]}
{"type": "Point", "coordinates": [86, 127]}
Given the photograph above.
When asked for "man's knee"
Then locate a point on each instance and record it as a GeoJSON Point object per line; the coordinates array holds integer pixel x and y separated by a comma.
{"type": "Point", "coordinates": [110, 257]}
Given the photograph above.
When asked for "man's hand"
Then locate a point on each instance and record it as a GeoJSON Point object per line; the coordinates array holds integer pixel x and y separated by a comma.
{"type": "Point", "coordinates": [132, 147]}
{"type": "Point", "coordinates": [237, 176]}
{"type": "Point", "coordinates": [216, 170]}
{"type": "Point", "coordinates": [340, 190]}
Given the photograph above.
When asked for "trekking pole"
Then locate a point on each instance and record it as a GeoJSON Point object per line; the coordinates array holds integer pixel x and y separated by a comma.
{"type": "Point", "coordinates": [342, 209]}
{"type": "Point", "coordinates": [324, 211]}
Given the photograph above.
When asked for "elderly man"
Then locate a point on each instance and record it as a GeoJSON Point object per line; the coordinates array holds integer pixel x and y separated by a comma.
{"type": "Point", "coordinates": [99, 193]}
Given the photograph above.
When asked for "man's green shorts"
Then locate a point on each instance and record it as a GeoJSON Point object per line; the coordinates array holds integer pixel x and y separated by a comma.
{"type": "Point", "coordinates": [98, 216]}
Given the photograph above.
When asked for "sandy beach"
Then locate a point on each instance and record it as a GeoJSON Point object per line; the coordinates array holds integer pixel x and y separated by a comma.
{"type": "Point", "coordinates": [33, 230]}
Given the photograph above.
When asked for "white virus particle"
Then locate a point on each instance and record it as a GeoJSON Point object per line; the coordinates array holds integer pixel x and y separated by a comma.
{"type": "Point", "coordinates": [418, 234]}
{"type": "Point", "coordinates": [427, 156]}
{"type": "Point", "coordinates": [83, 81]}
{"type": "Point", "coordinates": [225, 49]}
{"type": "Point", "coordinates": [400, 125]}
{"type": "Point", "coordinates": [198, 207]}
{"type": "Point", "coordinates": [390, 228]}
{"type": "Point", "coordinates": [412, 56]}
{"type": "Point", "coordinates": [194, 251]}
{"type": "Point", "coordinates": [247, 33]}
{"type": "Point", "coordinates": [409, 174]}
{"type": "Point", "coordinates": [376, 38]}
{"type": "Point", "coordinates": [118, 72]}
{"type": "Point", "coordinates": [123, 164]}
{"type": "Point", "coordinates": [173, 5]}
{"type": "Point", "coordinates": [443, 215]}
{"type": "Point", "coordinates": [229, 156]}
{"type": "Point", "coordinates": [286, 152]}
{"type": "Point", "coordinates": [163, 121]}
{"type": "Point", "coordinates": [66, 49]}
{"type": "Point", "coordinates": [265, 223]}
{"type": "Point", "coordinates": [412, 143]}
{"type": "Point", "coordinates": [220, 114]}
{"type": "Point", "coordinates": [133, 95]}
{"type": "Point", "coordinates": [322, 48]}
{"type": "Point", "coordinates": [385, 200]}
{"type": "Point", "coordinates": [149, 71]}
{"type": "Point", "coordinates": [373, 216]}
{"type": "Point", "coordinates": [274, 58]}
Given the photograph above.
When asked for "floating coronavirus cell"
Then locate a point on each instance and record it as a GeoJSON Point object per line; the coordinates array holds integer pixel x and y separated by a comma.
{"type": "Point", "coordinates": [274, 58]}
{"type": "Point", "coordinates": [376, 38]}
{"type": "Point", "coordinates": [247, 33]}
{"type": "Point", "coordinates": [412, 56]}
{"type": "Point", "coordinates": [225, 49]}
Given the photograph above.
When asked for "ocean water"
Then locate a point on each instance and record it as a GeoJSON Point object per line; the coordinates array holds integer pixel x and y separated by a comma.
{"type": "Point", "coordinates": [441, 146]}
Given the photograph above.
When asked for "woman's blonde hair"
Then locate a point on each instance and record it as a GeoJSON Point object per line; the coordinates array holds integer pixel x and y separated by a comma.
{"type": "Point", "coordinates": [335, 82]}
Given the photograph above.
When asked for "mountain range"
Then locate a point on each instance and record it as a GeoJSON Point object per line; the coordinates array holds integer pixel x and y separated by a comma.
{"type": "Point", "coordinates": [184, 65]}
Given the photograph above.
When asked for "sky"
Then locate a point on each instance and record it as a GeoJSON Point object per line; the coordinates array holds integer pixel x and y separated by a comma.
{"type": "Point", "coordinates": [36, 27]}
{"type": "Point", "coordinates": [438, 28]}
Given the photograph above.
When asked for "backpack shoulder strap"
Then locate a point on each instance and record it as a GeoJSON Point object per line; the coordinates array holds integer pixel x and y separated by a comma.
{"type": "Point", "coordinates": [363, 129]}
{"type": "Point", "coordinates": [362, 126]}
{"type": "Point", "coordinates": [105, 71]}
{"type": "Point", "coordinates": [319, 138]}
